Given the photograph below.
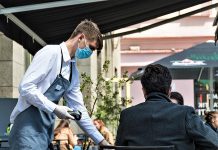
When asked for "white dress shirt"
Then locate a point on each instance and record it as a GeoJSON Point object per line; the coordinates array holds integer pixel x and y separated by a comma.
{"type": "Point", "coordinates": [40, 75]}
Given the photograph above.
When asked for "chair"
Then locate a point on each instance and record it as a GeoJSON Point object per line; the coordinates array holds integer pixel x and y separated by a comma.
{"type": "Point", "coordinates": [56, 145]}
{"type": "Point", "coordinates": [4, 145]}
{"type": "Point", "coordinates": [171, 147]}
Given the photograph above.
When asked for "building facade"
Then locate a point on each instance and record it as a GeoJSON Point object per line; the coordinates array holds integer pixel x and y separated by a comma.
{"type": "Point", "coordinates": [141, 49]}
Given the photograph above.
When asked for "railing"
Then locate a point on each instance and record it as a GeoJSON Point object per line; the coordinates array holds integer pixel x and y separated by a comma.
{"type": "Point", "coordinates": [171, 147]}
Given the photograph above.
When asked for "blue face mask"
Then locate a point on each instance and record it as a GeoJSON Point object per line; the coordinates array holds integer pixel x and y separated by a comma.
{"type": "Point", "coordinates": [82, 53]}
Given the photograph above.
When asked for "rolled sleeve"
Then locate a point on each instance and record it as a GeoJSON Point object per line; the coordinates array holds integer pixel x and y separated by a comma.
{"type": "Point", "coordinates": [49, 106]}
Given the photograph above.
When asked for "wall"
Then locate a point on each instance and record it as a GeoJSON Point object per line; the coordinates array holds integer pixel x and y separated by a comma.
{"type": "Point", "coordinates": [185, 87]}
{"type": "Point", "coordinates": [13, 62]}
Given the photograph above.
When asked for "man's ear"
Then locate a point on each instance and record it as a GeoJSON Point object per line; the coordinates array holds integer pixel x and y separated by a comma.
{"type": "Point", "coordinates": [80, 36]}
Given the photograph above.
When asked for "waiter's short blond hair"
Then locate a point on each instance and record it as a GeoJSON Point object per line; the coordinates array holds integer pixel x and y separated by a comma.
{"type": "Point", "coordinates": [90, 30]}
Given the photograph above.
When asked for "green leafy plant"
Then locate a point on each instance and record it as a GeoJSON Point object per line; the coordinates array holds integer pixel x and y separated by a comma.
{"type": "Point", "coordinates": [105, 94]}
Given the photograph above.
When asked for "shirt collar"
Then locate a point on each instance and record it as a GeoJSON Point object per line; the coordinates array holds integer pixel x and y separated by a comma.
{"type": "Point", "coordinates": [65, 52]}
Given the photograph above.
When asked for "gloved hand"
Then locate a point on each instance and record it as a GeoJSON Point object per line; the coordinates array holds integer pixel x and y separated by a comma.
{"type": "Point", "coordinates": [104, 143]}
{"type": "Point", "coordinates": [62, 112]}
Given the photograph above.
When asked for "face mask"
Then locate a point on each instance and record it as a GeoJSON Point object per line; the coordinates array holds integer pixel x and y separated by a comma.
{"type": "Point", "coordinates": [82, 53]}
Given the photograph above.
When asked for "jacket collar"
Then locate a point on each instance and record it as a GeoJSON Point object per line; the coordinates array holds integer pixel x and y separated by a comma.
{"type": "Point", "coordinates": [157, 96]}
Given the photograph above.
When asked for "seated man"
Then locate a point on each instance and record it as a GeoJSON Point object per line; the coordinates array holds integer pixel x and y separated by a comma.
{"type": "Point", "coordinates": [159, 122]}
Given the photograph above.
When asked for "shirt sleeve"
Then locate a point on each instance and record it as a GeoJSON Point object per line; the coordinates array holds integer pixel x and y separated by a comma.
{"type": "Point", "coordinates": [202, 135]}
{"type": "Point", "coordinates": [75, 101]}
{"type": "Point", "coordinates": [42, 63]}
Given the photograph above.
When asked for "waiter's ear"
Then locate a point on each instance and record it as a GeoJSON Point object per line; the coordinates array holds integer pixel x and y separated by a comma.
{"type": "Point", "coordinates": [80, 36]}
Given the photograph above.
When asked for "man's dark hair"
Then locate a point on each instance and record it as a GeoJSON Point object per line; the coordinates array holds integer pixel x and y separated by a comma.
{"type": "Point", "coordinates": [209, 115]}
{"type": "Point", "coordinates": [156, 78]}
{"type": "Point", "coordinates": [178, 97]}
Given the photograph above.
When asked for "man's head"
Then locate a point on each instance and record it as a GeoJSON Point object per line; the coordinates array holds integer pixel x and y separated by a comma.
{"type": "Point", "coordinates": [176, 98]}
{"type": "Point", "coordinates": [98, 123]}
{"type": "Point", "coordinates": [156, 78]}
{"type": "Point", "coordinates": [89, 34]}
{"type": "Point", "coordinates": [212, 118]}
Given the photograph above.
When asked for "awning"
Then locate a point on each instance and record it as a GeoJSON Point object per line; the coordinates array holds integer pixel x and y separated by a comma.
{"type": "Point", "coordinates": [56, 24]}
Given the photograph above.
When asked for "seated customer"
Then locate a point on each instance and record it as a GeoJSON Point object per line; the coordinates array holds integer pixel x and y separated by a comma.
{"type": "Point", "coordinates": [65, 136]}
{"type": "Point", "coordinates": [176, 98]}
{"type": "Point", "coordinates": [104, 131]}
{"type": "Point", "coordinates": [159, 122]}
{"type": "Point", "coordinates": [212, 120]}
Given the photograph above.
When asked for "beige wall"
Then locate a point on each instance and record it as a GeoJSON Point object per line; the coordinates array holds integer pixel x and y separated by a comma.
{"type": "Point", "coordinates": [185, 87]}
{"type": "Point", "coordinates": [13, 59]}
{"type": "Point", "coordinates": [6, 82]}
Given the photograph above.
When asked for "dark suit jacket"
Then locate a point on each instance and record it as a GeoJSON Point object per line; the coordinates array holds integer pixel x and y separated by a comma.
{"type": "Point", "coordinates": [158, 122]}
{"type": "Point", "coordinates": [211, 126]}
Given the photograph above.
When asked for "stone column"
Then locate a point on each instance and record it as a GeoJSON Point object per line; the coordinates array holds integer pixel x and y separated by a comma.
{"type": "Point", "coordinates": [111, 52]}
{"type": "Point", "coordinates": [12, 66]}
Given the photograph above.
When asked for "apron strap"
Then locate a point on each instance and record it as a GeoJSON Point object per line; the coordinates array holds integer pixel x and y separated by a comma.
{"type": "Point", "coordinates": [71, 64]}
{"type": "Point", "coordinates": [61, 61]}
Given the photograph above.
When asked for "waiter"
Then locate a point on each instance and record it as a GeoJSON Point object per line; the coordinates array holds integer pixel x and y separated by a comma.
{"type": "Point", "coordinates": [51, 75]}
